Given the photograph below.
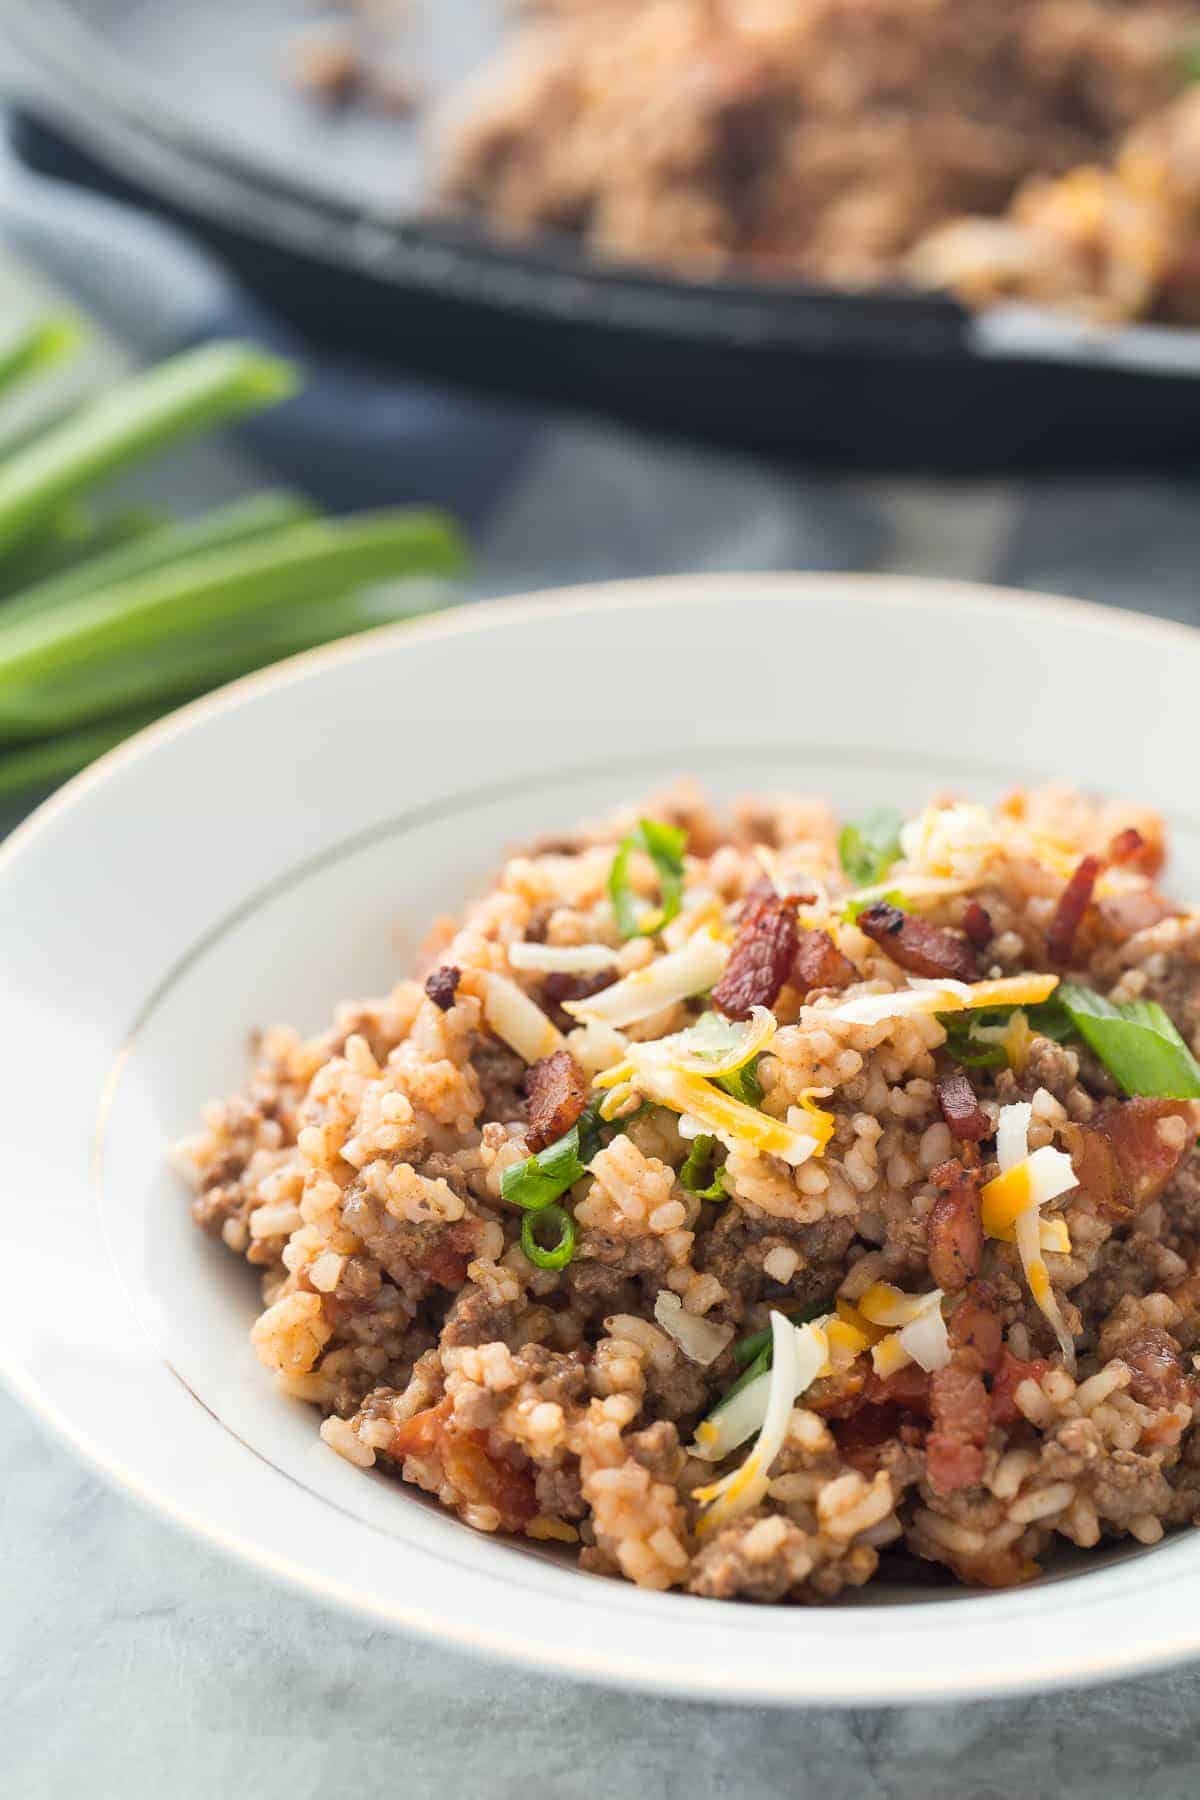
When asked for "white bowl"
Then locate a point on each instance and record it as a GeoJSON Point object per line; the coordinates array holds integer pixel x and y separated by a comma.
{"type": "Point", "coordinates": [285, 844]}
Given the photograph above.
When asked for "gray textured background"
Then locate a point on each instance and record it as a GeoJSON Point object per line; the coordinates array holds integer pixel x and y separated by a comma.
{"type": "Point", "coordinates": [135, 1662]}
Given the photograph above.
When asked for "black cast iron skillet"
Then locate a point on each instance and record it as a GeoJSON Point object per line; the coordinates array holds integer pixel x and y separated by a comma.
{"type": "Point", "coordinates": [179, 104]}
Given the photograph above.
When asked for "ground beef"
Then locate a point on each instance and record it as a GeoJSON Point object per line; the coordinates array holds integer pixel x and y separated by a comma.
{"type": "Point", "coordinates": [474, 1318]}
{"type": "Point", "coordinates": [823, 138]}
{"type": "Point", "coordinates": [1048, 1065]}
{"type": "Point", "coordinates": [408, 1251]}
{"type": "Point", "coordinates": [560, 1493]}
{"type": "Point", "coordinates": [501, 1075]}
{"type": "Point", "coordinates": [1181, 1196]}
{"type": "Point", "coordinates": [723, 1570]}
{"type": "Point", "coordinates": [657, 1448]}
{"type": "Point", "coordinates": [734, 1251]}
{"type": "Point", "coordinates": [1176, 984]}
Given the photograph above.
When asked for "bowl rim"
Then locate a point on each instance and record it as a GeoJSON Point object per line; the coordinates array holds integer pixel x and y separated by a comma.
{"type": "Point", "coordinates": [1122, 1658]}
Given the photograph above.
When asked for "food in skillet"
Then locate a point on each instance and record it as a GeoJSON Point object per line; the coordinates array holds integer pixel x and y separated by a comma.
{"type": "Point", "coordinates": [1041, 149]}
{"type": "Point", "coordinates": [753, 1204]}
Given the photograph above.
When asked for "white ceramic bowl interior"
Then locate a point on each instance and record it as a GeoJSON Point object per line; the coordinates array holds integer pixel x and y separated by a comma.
{"type": "Point", "coordinates": [286, 845]}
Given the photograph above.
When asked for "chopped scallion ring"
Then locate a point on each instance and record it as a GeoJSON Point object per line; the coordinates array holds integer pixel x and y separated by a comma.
{"type": "Point", "coordinates": [698, 1175]}
{"type": "Point", "coordinates": [552, 1256]}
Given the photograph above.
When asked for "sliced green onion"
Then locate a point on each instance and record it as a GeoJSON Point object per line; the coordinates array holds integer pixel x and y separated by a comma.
{"type": "Point", "coordinates": [103, 567]}
{"type": "Point", "coordinates": [36, 345]}
{"type": "Point", "coordinates": [758, 1365]}
{"type": "Point", "coordinates": [538, 1182]}
{"type": "Point", "coordinates": [698, 1174]}
{"type": "Point", "coordinates": [558, 1254]}
{"type": "Point", "coordinates": [73, 535]}
{"type": "Point", "coordinates": [975, 1038]}
{"type": "Point", "coordinates": [201, 388]}
{"type": "Point", "coordinates": [542, 1179]}
{"type": "Point", "coordinates": [868, 846]}
{"type": "Point", "coordinates": [743, 1083]}
{"type": "Point", "coordinates": [1137, 1043]}
{"type": "Point", "coordinates": [594, 1130]}
{"type": "Point", "coordinates": [35, 768]}
{"type": "Point", "coordinates": [664, 845]}
{"type": "Point", "coordinates": [196, 662]}
{"type": "Point", "coordinates": [972, 1037]}
{"type": "Point", "coordinates": [748, 1349]}
{"type": "Point", "coordinates": [307, 562]}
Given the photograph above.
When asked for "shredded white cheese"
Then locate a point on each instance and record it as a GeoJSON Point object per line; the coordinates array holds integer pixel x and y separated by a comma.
{"type": "Point", "coordinates": [562, 959]}
{"type": "Point", "coordinates": [799, 1355]}
{"type": "Point", "coordinates": [701, 1340]}
{"type": "Point", "coordinates": [514, 1017]}
{"type": "Point", "coordinates": [696, 966]}
{"type": "Point", "coordinates": [1012, 1205]}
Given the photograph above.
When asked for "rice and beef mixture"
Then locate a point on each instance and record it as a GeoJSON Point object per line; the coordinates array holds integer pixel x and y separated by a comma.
{"type": "Point", "coordinates": [744, 1201]}
{"type": "Point", "coordinates": [1037, 148]}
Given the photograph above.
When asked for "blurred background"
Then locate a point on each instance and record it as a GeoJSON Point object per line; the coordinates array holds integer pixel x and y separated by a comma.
{"type": "Point", "coordinates": [618, 287]}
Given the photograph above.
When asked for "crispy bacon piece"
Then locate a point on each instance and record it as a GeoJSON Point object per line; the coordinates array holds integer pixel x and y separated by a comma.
{"type": "Point", "coordinates": [762, 954]}
{"type": "Point", "coordinates": [954, 1233]}
{"type": "Point", "coordinates": [441, 985]}
{"type": "Point", "coordinates": [961, 1109]}
{"type": "Point", "coordinates": [1073, 902]}
{"type": "Point", "coordinates": [448, 1260]}
{"type": "Point", "coordinates": [1129, 846]}
{"type": "Point", "coordinates": [977, 923]}
{"type": "Point", "coordinates": [481, 1480]}
{"type": "Point", "coordinates": [1009, 1375]}
{"type": "Point", "coordinates": [1142, 850]}
{"type": "Point", "coordinates": [820, 964]}
{"type": "Point", "coordinates": [917, 946]}
{"type": "Point", "coordinates": [976, 1328]}
{"type": "Point", "coordinates": [962, 1417]}
{"type": "Point", "coordinates": [557, 1090]}
{"type": "Point", "coordinates": [1121, 1160]}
